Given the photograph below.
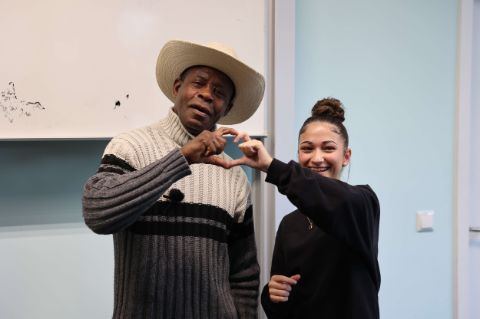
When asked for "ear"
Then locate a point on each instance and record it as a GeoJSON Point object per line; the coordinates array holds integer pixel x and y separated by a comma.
{"type": "Point", "coordinates": [347, 156]}
{"type": "Point", "coordinates": [176, 86]}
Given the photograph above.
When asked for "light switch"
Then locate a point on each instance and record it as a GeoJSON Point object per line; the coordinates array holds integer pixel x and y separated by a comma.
{"type": "Point", "coordinates": [425, 220]}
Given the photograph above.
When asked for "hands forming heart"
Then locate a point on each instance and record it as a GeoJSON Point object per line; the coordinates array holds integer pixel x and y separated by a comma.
{"type": "Point", "coordinates": [205, 146]}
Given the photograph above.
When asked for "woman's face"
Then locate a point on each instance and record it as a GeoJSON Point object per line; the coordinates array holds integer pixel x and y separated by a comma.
{"type": "Point", "coordinates": [322, 149]}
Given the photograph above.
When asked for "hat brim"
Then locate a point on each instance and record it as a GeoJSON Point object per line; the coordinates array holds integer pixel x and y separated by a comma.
{"type": "Point", "coordinates": [176, 56]}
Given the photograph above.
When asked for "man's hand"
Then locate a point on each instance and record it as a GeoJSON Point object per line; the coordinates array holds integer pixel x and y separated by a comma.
{"type": "Point", "coordinates": [205, 145]}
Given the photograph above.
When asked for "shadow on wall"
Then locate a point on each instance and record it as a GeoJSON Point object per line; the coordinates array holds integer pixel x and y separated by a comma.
{"type": "Point", "coordinates": [42, 181]}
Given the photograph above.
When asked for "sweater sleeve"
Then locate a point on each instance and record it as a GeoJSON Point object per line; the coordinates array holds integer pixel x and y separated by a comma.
{"type": "Point", "coordinates": [349, 213]}
{"type": "Point", "coordinates": [117, 195]}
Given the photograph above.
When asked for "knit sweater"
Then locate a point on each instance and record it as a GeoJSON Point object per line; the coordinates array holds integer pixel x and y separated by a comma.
{"type": "Point", "coordinates": [336, 258]}
{"type": "Point", "coordinates": [191, 257]}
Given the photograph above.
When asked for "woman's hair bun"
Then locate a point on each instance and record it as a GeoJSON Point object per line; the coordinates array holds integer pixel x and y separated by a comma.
{"type": "Point", "coordinates": [329, 108]}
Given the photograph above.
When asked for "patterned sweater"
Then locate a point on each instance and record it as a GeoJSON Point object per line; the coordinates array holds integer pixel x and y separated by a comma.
{"type": "Point", "coordinates": [191, 257]}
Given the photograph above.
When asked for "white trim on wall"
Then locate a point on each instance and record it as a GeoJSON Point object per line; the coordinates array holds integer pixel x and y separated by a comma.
{"type": "Point", "coordinates": [284, 139]}
{"type": "Point", "coordinates": [262, 196]}
{"type": "Point", "coordinates": [280, 140]}
{"type": "Point", "coordinates": [462, 198]}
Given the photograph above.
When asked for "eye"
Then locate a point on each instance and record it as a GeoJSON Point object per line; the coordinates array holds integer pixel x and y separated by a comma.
{"type": "Point", "coordinates": [306, 149]}
{"type": "Point", "coordinates": [219, 92]}
{"type": "Point", "coordinates": [197, 83]}
{"type": "Point", "coordinates": [329, 149]}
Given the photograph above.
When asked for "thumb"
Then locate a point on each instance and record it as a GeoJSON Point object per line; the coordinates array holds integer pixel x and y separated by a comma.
{"type": "Point", "coordinates": [235, 162]}
{"type": "Point", "coordinates": [296, 277]}
{"type": "Point", "coordinates": [216, 160]}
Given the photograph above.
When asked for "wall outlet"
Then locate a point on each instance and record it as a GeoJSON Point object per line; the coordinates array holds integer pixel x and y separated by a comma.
{"type": "Point", "coordinates": [424, 220]}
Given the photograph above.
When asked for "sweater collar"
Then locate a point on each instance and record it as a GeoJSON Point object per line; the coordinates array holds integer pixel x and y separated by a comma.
{"type": "Point", "coordinates": [175, 129]}
{"type": "Point", "coordinates": [172, 125]}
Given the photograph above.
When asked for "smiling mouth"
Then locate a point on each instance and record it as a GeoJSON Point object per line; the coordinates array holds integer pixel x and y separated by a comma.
{"type": "Point", "coordinates": [319, 169]}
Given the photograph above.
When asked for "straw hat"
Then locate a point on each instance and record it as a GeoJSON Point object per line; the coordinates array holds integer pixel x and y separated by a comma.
{"type": "Point", "coordinates": [177, 56]}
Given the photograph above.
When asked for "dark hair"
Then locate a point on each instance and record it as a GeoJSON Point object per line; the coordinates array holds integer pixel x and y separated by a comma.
{"type": "Point", "coordinates": [328, 110]}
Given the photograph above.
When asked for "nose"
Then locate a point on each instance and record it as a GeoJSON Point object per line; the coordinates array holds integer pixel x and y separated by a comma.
{"type": "Point", "coordinates": [317, 156]}
{"type": "Point", "coordinates": [206, 93]}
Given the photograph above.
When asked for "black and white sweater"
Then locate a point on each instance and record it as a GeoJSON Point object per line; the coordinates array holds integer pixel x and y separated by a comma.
{"type": "Point", "coordinates": [174, 258]}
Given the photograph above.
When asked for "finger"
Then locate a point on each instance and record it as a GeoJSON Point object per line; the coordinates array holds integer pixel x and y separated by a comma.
{"type": "Point", "coordinates": [278, 278]}
{"type": "Point", "coordinates": [214, 145]}
{"type": "Point", "coordinates": [277, 284]}
{"type": "Point", "coordinates": [207, 147]}
{"type": "Point", "coordinates": [219, 144]}
{"type": "Point", "coordinates": [283, 280]}
{"type": "Point", "coordinates": [236, 162]}
{"type": "Point", "coordinates": [280, 287]}
{"type": "Point", "coordinates": [256, 144]}
{"type": "Point", "coordinates": [277, 299]}
{"type": "Point", "coordinates": [296, 277]}
{"type": "Point", "coordinates": [218, 161]}
{"type": "Point", "coordinates": [248, 150]}
{"type": "Point", "coordinates": [279, 292]}
{"type": "Point", "coordinates": [226, 130]}
{"type": "Point", "coordinates": [242, 136]}
{"type": "Point", "coordinates": [208, 151]}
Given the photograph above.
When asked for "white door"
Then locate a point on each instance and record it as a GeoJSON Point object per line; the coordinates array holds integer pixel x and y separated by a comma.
{"type": "Point", "coordinates": [467, 292]}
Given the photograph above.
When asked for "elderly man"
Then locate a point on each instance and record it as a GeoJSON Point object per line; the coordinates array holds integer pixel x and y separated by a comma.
{"type": "Point", "coordinates": [182, 228]}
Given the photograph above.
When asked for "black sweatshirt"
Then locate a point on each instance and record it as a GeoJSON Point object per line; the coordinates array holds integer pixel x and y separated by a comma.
{"type": "Point", "coordinates": [337, 259]}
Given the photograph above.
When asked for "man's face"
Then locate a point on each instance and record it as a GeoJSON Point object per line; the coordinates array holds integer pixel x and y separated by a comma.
{"type": "Point", "coordinates": [202, 97]}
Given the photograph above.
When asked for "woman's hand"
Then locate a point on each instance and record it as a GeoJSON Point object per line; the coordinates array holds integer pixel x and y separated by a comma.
{"type": "Point", "coordinates": [255, 153]}
{"type": "Point", "coordinates": [279, 287]}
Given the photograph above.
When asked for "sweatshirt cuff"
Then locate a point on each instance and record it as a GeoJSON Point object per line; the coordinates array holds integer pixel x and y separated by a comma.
{"type": "Point", "coordinates": [275, 171]}
{"type": "Point", "coordinates": [273, 310]}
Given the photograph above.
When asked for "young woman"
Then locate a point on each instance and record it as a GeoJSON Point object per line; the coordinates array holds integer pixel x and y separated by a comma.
{"type": "Point", "coordinates": [325, 257]}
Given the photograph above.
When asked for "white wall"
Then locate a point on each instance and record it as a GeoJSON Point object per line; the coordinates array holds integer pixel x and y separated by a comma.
{"type": "Point", "coordinates": [392, 63]}
{"type": "Point", "coordinates": [52, 265]}
{"type": "Point", "coordinates": [55, 271]}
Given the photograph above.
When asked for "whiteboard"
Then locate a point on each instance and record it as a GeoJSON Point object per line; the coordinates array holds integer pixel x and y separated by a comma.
{"type": "Point", "coordinates": [86, 68]}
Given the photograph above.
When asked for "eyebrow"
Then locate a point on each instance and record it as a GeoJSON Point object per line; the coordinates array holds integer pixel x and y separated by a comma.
{"type": "Point", "coordinates": [324, 142]}
{"type": "Point", "coordinates": [306, 142]}
{"type": "Point", "coordinates": [205, 77]}
{"type": "Point", "coordinates": [202, 76]}
{"type": "Point", "coordinates": [309, 143]}
{"type": "Point", "coordinates": [329, 141]}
